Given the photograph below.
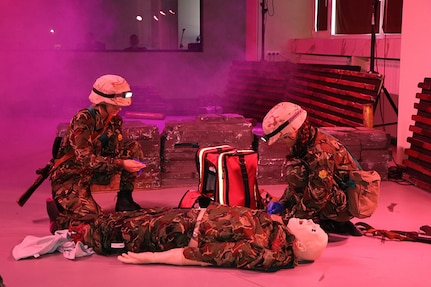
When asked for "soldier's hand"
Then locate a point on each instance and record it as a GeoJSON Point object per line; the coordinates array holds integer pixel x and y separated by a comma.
{"type": "Point", "coordinates": [132, 165]}
{"type": "Point", "coordinates": [274, 207]}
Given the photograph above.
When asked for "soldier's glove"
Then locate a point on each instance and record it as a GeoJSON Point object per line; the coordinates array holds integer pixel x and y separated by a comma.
{"type": "Point", "coordinates": [274, 207]}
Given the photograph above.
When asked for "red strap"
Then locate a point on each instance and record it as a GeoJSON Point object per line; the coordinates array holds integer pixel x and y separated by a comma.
{"type": "Point", "coordinates": [61, 160]}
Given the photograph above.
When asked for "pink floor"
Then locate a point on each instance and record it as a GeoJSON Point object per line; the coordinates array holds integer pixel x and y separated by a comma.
{"type": "Point", "coordinates": [348, 261]}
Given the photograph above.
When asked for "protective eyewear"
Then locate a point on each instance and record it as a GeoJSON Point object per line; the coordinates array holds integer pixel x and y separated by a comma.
{"type": "Point", "coordinates": [127, 94]}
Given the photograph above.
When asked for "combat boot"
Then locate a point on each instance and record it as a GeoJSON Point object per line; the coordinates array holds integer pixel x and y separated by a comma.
{"type": "Point", "coordinates": [51, 208]}
{"type": "Point", "coordinates": [125, 201]}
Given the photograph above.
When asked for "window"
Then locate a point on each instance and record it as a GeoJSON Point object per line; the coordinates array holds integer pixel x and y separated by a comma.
{"type": "Point", "coordinates": [358, 17]}
{"type": "Point", "coordinates": [322, 15]}
{"type": "Point", "coordinates": [392, 18]}
{"type": "Point", "coordinates": [108, 25]}
{"type": "Point", "coordinates": [355, 17]}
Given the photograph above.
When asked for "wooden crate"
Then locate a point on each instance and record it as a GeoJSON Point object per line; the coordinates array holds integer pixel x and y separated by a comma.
{"type": "Point", "coordinates": [181, 139]}
{"type": "Point", "coordinates": [418, 162]}
{"type": "Point", "coordinates": [332, 95]}
{"type": "Point", "coordinates": [369, 146]}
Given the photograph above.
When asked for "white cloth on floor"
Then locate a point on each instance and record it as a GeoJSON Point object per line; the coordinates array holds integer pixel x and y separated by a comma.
{"type": "Point", "coordinates": [33, 246]}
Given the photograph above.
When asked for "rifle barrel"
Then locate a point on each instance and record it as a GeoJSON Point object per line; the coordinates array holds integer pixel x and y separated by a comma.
{"type": "Point", "coordinates": [23, 199]}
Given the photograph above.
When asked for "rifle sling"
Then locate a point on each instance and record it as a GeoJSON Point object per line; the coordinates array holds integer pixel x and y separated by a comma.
{"type": "Point", "coordinates": [60, 161]}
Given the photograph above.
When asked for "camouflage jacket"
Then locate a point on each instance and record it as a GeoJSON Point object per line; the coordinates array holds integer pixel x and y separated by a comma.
{"type": "Point", "coordinates": [317, 180]}
{"type": "Point", "coordinates": [236, 237]}
{"type": "Point", "coordinates": [94, 147]}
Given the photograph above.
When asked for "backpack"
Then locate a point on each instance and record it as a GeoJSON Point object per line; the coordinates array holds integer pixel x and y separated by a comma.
{"type": "Point", "coordinates": [226, 175]}
{"type": "Point", "coordinates": [57, 141]}
{"type": "Point", "coordinates": [363, 192]}
{"type": "Point", "coordinates": [362, 189]}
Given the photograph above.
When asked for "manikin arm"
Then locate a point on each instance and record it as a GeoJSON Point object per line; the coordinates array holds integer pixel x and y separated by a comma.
{"type": "Point", "coordinates": [173, 257]}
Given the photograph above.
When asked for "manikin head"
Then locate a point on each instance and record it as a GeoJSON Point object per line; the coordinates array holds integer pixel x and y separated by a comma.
{"type": "Point", "coordinates": [282, 123]}
{"type": "Point", "coordinates": [310, 241]}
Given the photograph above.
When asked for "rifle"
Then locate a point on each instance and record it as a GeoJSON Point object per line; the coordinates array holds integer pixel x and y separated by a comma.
{"type": "Point", "coordinates": [424, 236]}
{"type": "Point", "coordinates": [43, 174]}
{"type": "Point", "coordinates": [54, 163]}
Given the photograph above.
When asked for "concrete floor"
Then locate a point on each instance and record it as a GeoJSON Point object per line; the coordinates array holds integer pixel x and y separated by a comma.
{"type": "Point", "coordinates": [348, 261]}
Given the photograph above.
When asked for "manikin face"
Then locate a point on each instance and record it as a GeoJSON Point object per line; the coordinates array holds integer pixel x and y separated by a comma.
{"type": "Point", "coordinates": [311, 240]}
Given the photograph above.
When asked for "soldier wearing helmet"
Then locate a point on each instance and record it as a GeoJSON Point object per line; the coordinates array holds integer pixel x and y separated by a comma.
{"type": "Point", "coordinates": [316, 168]}
{"type": "Point", "coordinates": [98, 152]}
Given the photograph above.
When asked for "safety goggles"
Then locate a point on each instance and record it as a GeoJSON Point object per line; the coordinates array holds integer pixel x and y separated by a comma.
{"type": "Point", "coordinates": [127, 94]}
{"type": "Point", "coordinates": [266, 137]}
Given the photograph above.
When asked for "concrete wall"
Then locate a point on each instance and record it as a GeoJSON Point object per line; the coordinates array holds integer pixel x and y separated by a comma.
{"type": "Point", "coordinates": [56, 82]}
{"type": "Point", "coordinates": [415, 64]}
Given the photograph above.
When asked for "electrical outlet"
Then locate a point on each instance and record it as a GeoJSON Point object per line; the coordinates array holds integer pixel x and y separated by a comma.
{"type": "Point", "coordinates": [273, 53]}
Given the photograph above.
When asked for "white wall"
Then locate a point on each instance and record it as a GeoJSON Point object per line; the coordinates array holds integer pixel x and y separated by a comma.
{"type": "Point", "coordinates": [292, 19]}
{"type": "Point", "coordinates": [415, 64]}
{"type": "Point", "coordinates": [285, 20]}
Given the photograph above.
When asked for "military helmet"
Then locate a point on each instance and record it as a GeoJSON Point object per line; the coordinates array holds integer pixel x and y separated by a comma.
{"type": "Point", "coordinates": [284, 118]}
{"type": "Point", "coordinates": [111, 89]}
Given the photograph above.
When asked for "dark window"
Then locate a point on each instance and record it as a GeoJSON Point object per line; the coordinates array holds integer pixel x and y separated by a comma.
{"type": "Point", "coordinates": [392, 18]}
{"type": "Point", "coordinates": [355, 16]}
{"type": "Point", "coordinates": [322, 15]}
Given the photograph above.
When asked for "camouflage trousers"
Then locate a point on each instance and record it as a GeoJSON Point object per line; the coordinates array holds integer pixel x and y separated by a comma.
{"type": "Point", "coordinates": [149, 229]}
{"type": "Point", "coordinates": [73, 196]}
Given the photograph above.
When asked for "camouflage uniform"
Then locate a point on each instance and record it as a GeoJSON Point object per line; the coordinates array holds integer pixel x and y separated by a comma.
{"type": "Point", "coordinates": [317, 179]}
{"type": "Point", "coordinates": [93, 162]}
{"type": "Point", "coordinates": [236, 237]}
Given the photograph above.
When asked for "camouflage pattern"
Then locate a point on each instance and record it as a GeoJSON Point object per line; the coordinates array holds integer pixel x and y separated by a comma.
{"type": "Point", "coordinates": [93, 162]}
{"type": "Point", "coordinates": [317, 179]}
{"type": "Point", "coordinates": [236, 237]}
{"type": "Point", "coordinates": [149, 229]}
{"type": "Point", "coordinates": [243, 238]}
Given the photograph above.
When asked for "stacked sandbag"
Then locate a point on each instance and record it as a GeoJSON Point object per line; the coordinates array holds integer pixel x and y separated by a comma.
{"type": "Point", "coordinates": [369, 146]}
{"type": "Point", "coordinates": [181, 139]}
